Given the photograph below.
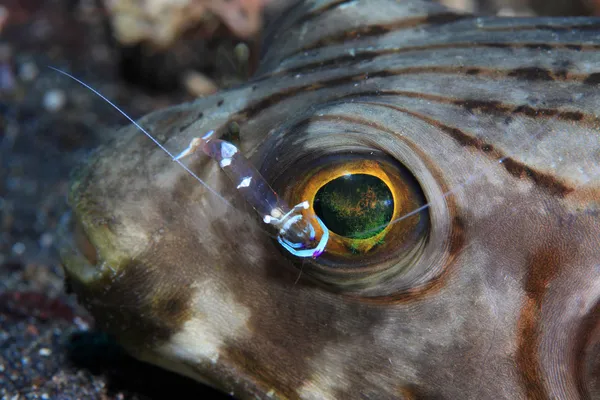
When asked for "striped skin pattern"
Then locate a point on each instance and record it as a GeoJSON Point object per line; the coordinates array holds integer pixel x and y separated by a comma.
{"type": "Point", "coordinates": [503, 302]}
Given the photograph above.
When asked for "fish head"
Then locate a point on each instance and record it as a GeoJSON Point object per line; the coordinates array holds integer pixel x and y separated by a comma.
{"type": "Point", "coordinates": [482, 281]}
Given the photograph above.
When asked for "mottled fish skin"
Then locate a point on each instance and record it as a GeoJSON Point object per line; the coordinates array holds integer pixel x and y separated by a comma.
{"type": "Point", "coordinates": [503, 304]}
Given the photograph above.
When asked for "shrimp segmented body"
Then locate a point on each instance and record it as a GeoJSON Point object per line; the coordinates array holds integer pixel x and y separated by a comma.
{"type": "Point", "coordinates": [295, 226]}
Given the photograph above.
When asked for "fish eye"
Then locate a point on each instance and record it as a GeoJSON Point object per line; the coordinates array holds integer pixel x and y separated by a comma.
{"type": "Point", "coordinates": [355, 205]}
{"type": "Point", "coordinates": [367, 200]}
{"type": "Point", "coordinates": [361, 199]}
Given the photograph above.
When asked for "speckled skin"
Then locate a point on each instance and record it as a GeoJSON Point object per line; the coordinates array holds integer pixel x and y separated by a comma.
{"type": "Point", "coordinates": [503, 303]}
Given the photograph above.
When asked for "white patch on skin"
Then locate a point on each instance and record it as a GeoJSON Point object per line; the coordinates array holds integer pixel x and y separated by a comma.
{"type": "Point", "coordinates": [523, 186]}
{"type": "Point", "coordinates": [485, 294]}
{"type": "Point", "coordinates": [329, 378]}
{"type": "Point", "coordinates": [217, 318]}
{"type": "Point", "coordinates": [485, 205]}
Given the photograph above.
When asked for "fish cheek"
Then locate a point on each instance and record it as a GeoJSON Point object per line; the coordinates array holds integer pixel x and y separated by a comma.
{"type": "Point", "coordinates": [142, 267]}
{"type": "Point", "coordinates": [291, 322]}
{"type": "Point", "coordinates": [141, 305]}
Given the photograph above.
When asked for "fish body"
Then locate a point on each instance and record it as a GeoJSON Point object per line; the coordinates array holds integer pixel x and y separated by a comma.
{"type": "Point", "coordinates": [498, 297]}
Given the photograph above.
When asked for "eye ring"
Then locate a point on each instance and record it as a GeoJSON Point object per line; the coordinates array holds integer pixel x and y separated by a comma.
{"type": "Point", "coordinates": [284, 163]}
{"type": "Point", "coordinates": [341, 250]}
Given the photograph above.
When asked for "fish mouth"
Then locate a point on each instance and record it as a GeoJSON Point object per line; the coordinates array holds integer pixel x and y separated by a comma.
{"type": "Point", "coordinates": [89, 252]}
{"type": "Point", "coordinates": [79, 257]}
{"type": "Point", "coordinates": [142, 328]}
{"type": "Point", "coordinates": [85, 270]}
{"type": "Point", "coordinates": [86, 246]}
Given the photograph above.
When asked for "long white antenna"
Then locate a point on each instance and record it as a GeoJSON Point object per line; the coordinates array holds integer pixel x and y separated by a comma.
{"type": "Point", "coordinates": [163, 148]}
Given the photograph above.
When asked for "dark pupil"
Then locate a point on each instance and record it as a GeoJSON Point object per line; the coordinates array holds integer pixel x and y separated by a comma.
{"type": "Point", "coordinates": [355, 206]}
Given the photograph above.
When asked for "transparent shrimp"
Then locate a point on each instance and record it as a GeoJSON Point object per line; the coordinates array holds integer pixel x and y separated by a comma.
{"type": "Point", "coordinates": [295, 226]}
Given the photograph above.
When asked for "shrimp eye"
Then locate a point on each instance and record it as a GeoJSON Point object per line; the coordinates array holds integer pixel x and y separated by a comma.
{"type": "Point", "coordinates": [366, 201]}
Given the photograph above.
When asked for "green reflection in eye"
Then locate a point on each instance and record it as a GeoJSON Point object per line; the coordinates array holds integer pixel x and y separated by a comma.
{"type": "Point", "coordinates": [356, 206]}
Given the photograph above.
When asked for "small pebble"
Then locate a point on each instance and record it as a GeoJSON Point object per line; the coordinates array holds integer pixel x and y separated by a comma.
{"type": "Point", "coordinates": [44, 352]}
{"type": "Point", "coordinates": [46, 240]}
{"type": "Point", "coordinates": [54, 100]}
{"type": "Point", "coordinates": [28, 71]}
{"type": "Point", "coordinates": [18, 248]}
{"type": "Point", "coordinates": [81, 324]}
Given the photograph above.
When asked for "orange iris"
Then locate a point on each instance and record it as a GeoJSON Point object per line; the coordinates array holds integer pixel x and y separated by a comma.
{"type": "Point", "coordinates": [405, 199]}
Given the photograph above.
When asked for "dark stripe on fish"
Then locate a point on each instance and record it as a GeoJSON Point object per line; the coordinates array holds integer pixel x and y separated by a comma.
{"type": "Point", "coordinates": [382, 29]}
{"type": "Point", "coordinates": [552, 27]}
{"type": "Point", "coordinates": [368, 55]}
{"type": "Point", "coordinates": [516, 168]}
{"type": "Point", "coordinates": [487, 107]}
{"type": "Point", "coordinates": [544, 265]}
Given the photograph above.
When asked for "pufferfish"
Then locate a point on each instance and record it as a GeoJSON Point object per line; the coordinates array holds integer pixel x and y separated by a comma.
{"type": "Point", "coordinates": [454, 163]}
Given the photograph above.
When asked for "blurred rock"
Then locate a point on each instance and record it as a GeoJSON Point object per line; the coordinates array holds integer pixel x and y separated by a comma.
{"type": "Point", "coordinates": [162, 22]}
